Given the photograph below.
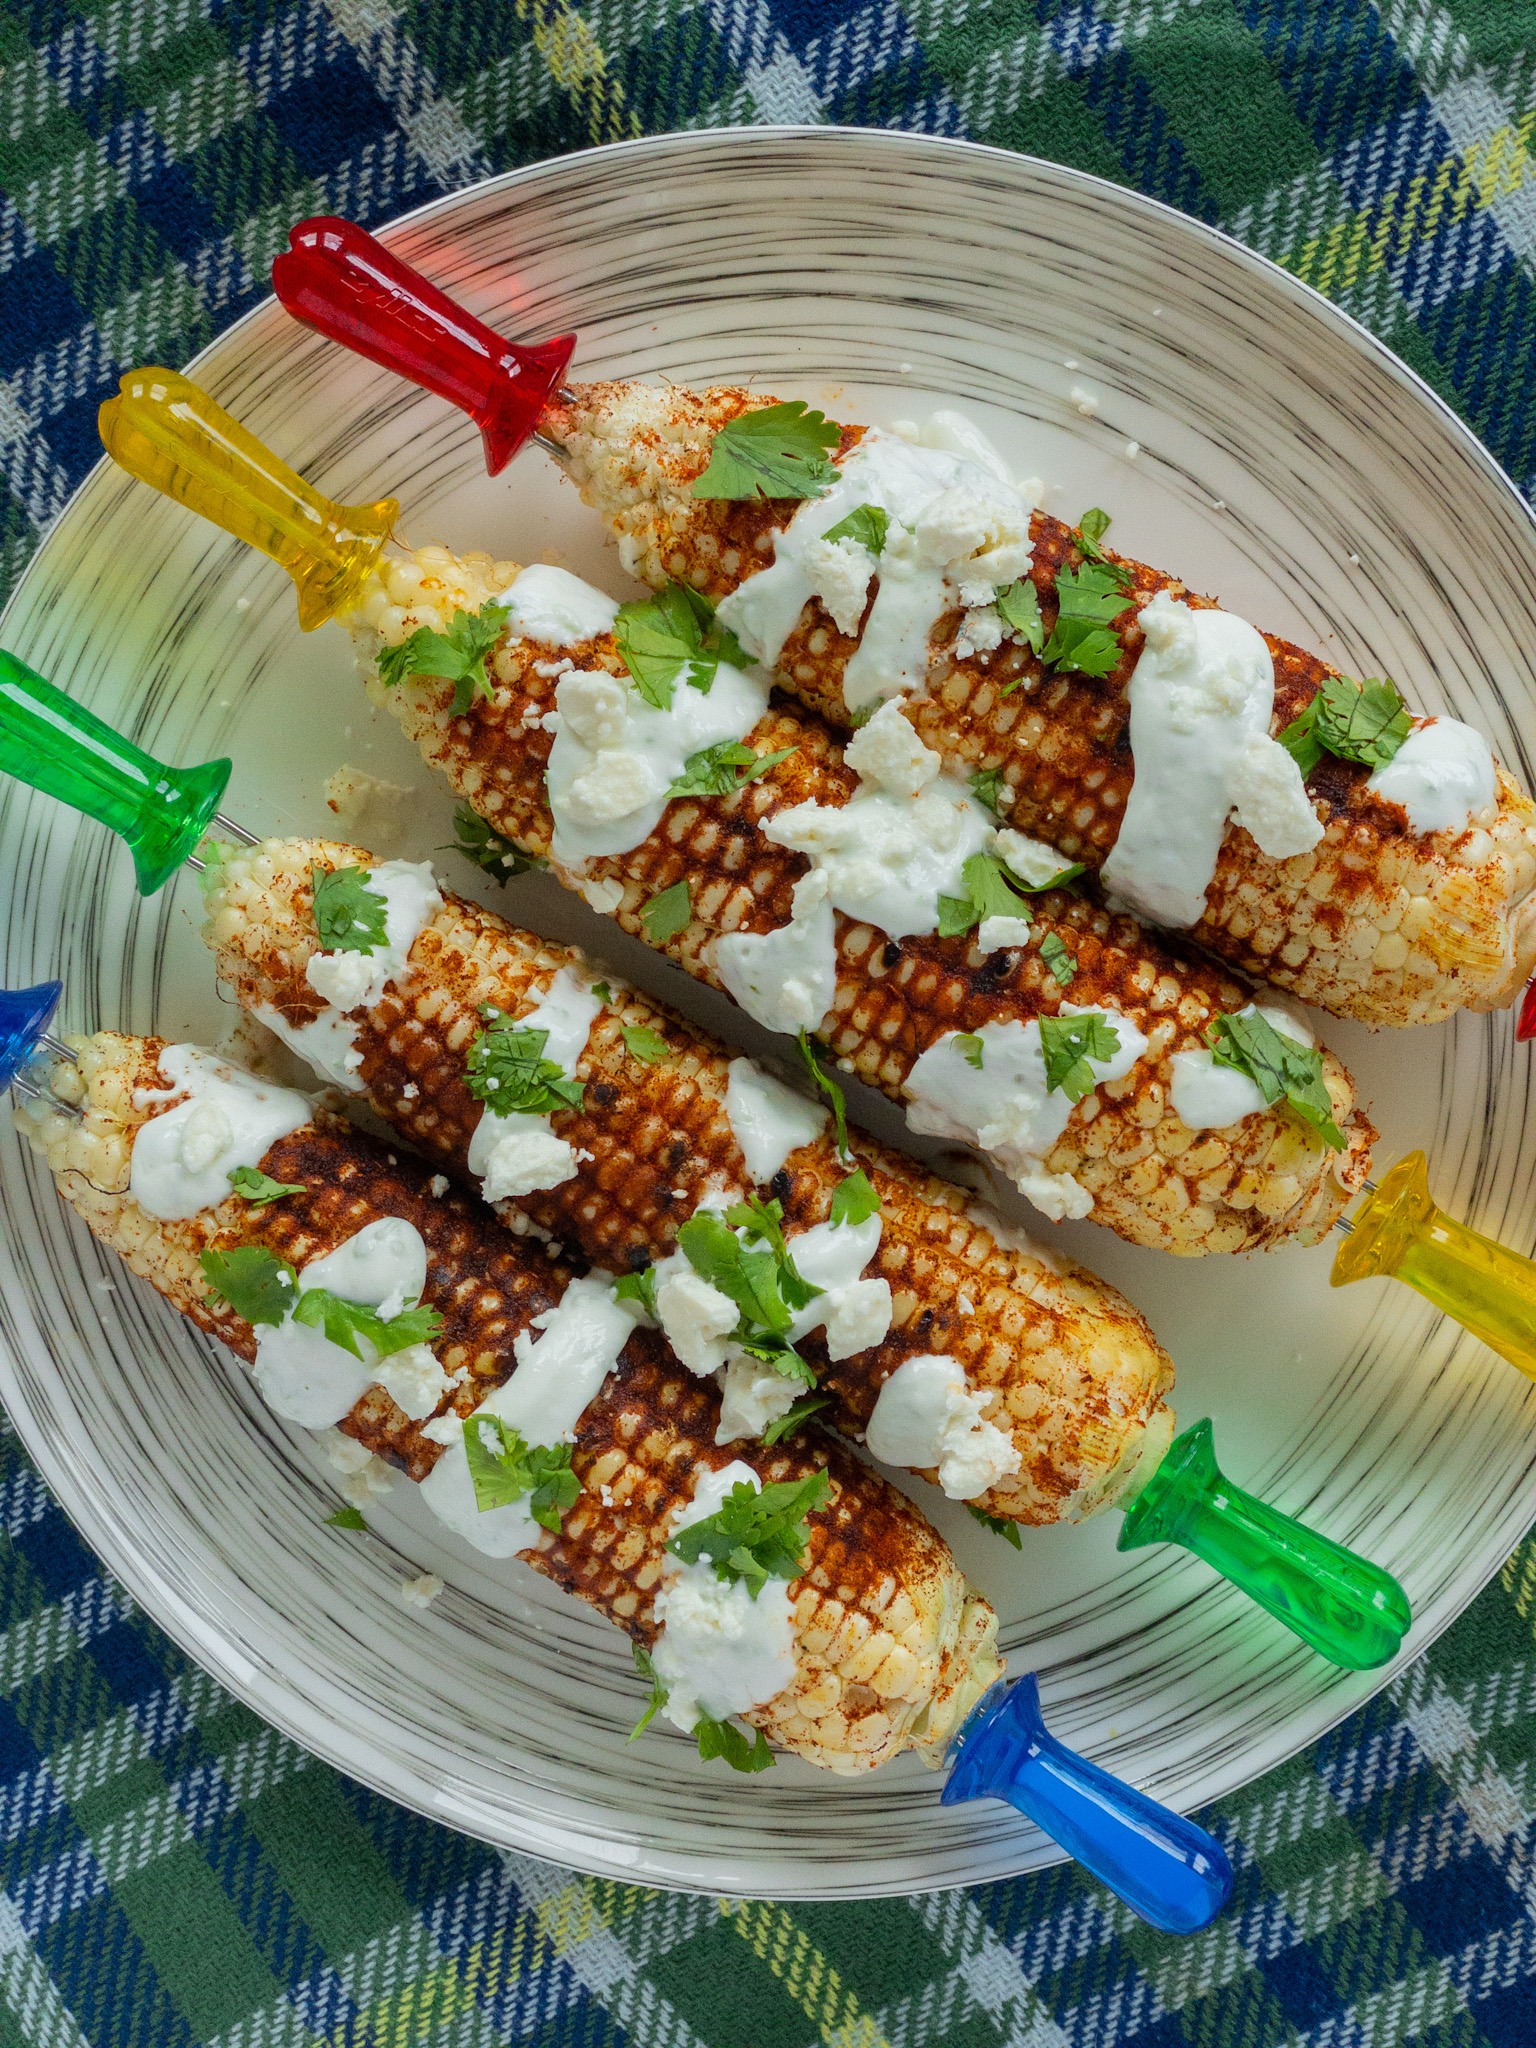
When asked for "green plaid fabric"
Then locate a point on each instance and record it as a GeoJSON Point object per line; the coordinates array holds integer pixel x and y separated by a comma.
{"type": "Point", "coordinates": [175, 1875]}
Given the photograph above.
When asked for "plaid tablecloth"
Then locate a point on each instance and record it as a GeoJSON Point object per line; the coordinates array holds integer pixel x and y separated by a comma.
{"type": "Point", "coordinates": [176, 1875]}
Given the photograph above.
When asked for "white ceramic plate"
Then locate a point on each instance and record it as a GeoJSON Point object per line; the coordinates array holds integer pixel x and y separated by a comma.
{"type": "Point", "coordinates": [1287, 464]}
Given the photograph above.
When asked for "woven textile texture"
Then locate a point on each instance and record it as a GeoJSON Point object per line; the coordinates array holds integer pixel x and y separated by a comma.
{"type": "Point", "coordinates": [173, 1873]}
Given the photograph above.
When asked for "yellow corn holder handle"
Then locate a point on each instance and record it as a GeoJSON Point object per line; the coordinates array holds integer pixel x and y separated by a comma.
{"type": "Point", "coordinates": [1398, 1233]}
{"type": "Point", "coordinates": [162, 429]}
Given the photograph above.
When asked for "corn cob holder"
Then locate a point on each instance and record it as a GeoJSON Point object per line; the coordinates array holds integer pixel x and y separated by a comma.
{"type": "Point", "coordinates": [1345, 1607]}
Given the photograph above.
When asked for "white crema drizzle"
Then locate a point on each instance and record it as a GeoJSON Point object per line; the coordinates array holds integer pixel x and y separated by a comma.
{"type": "Point", "coordinates": [958, 533]}
{"type": "Point", "coordinates": [353, 981]}
{"type": "Point", "coordinates": [1005, 1106]}
{"type": "Point", "coordinates": [182, 1159]}
{"type": "Point", "coordinates": [558, 1374]}
{"type": "Point", "coordinates": [1202, 697]}
{"type": "Point", "coordinates": [883, 858]}
{"type": "Point", "coordinates": [519, 1152]}
{"type": "Point", "coordinates": [720, 1651]}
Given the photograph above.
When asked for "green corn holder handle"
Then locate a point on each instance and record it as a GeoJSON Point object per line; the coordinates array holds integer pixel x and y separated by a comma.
{"type": "Point", "coordinates": [1347, 1608]}
{"type": "Point", "coordinates": [57, 746]}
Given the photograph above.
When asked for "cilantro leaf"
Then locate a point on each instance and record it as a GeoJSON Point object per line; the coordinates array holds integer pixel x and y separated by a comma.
{"type": "Point", "coordinates": [833, 1093]}
{"type": "Point", "coordinates": [971, 1048]}
{"type": "Point", "coordinates": [345, 1322]}
{"type": "Point", "coordinates": [509, 1469]}
{"type": "Point", "coordinates": [764, 1222]}
{"type": "Point", "coordinates": [486, 848]}
{"type": "Point", "coordinates": [639, 1287]}
{"type": "Point", "coordinates": [644, 1044]}
{"type": "Point", "coordinates": [674, 635]}
{"type": "Point", "coordinates": [658, 1699]}
{"type": "Point", "coordinates": [1356, 721]}
{"type": "Point", "coordinates": [866, 524]}
{"type": "Point", "coordinates": [748, 1278]}
{"type": "Point", "coordinates": [725, 1740]}
{"type": "Point", "coordinates": [1068, 1044]}
{"type": "Point", "coordinates": [1053, 951]}
{"type": "Point", "coordinates": [1088, 599]}
{"type": "Point", "coordinates": [349, 916]}
{"type": "Point", "coordinates": [713, 770]}
{"type": "Point", "coordinates": [987, 788]}
{"type": "Point", "coordinates": [603, 992]}
{"type": "Point", "coordinates": [756, 1534]}
{"type": "Point", "coordinates": [998, 1524]}
{"type": "Point", "coordinates": [776, 451]}
{"type": "Point", "coordinates": [260, 1188]}
{"type": "Point", "coordinates": [257, 1286]}
{"type": "Point", "coordinates": [507, 1071]}
{"type": "Point", "coordinates": [991, 891]}
{"type": "Point", "coordinates": [764, 1285]}
{"type": "Point", "coordinates": [1281, 1066]}
{"type": "Point", "coordinates": [457, 656]}
{"type": "Point", "coordinates": [1088, 533]}
{"type": "Point", "coordinates": [854, 1200]}
{"type": "Point", "coordinates": [667, 913]}
{"type": "Point", "coordinates": [346, 1518]}
{"type": "Point", "coordinates": [1020, 607]}
{"type": "Point", "coordinates": [794, 1417]}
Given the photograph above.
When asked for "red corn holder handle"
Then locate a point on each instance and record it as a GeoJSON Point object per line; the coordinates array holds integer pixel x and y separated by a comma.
{"type": "Point", "coordinates": [337, 279]}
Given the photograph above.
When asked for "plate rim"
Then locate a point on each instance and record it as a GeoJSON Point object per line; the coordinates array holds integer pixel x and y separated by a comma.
{"type": "Point", "coordinates": [263, 1688]}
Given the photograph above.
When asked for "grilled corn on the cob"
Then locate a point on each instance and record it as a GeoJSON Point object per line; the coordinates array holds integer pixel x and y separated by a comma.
{"type": "Point", "coordinates": [890, 1646]}
{"type": "Point", "coordinates": [1073, 1374]}
{"type": "Point", "coordinates": [1376, 921]}
{"type": "Point", "coordinates": [1263, 1181]}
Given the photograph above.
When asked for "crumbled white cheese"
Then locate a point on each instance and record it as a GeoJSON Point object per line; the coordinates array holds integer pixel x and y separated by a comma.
{"type": "Point", "coordinates": [839, 573]}
{"type": "Point", "coordinates": [355, 981]}
{"type": "Point", "coordinates": [604, 893]}
{"type": "Point", "coordinates": [438, 1184]}
{"type": "Point", "coordinates": [981, 631]}
{"type": "Point", "coordinates": [615, 786]}
{"type": "Point", "coordinates": [888, 754]}
{"type": "Point", "coordinates": [444, 1429]}
{"type": "Point", "coordinates": [752, 1395]}
{"type": "Point", "coordinates": [1084, 400]}
{"type": "Point", "coordinates": [1031, 860]}
{"type": "Point", "coordinates": [413, 1380]}
{"type": "Point", "coordinates": [525, 1160]}
{"type": "Point", "coordinates": [595, 706]}
{"type": "Point", "coordinates": [926, 1417]}
{"type": "Point", "coordinates": [954, 520]}
{"type": "Point", "coordinates": [695, 1316]}
{"type": "Point", "coordinates": [422, 1590]}
{"type": "Point", "coordinates": [859, 1316]}
{"type": "Point", "coordinates": [182, 1159]}
{"type": "Point", "coordinates": [721, 1651]}
{"type": "Point", "coordinates": [995, 932]}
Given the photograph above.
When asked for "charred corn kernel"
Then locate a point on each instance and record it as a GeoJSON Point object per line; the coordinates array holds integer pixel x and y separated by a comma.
{"type": "Point", "coordinates": [658, 1136]}
{"type": "Point", "coordinates": [892, 1001]}
{"type": "Point", "coordinates": [646, 1437]}
{"type": "Point", "coordinates": [635, 452]}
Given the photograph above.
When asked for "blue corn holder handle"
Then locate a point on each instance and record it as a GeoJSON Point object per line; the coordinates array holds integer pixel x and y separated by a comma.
{"type": "Point", "coordinates": [1165, 1868]}
{"type": "Point", "coordinates": [25, 1014]}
